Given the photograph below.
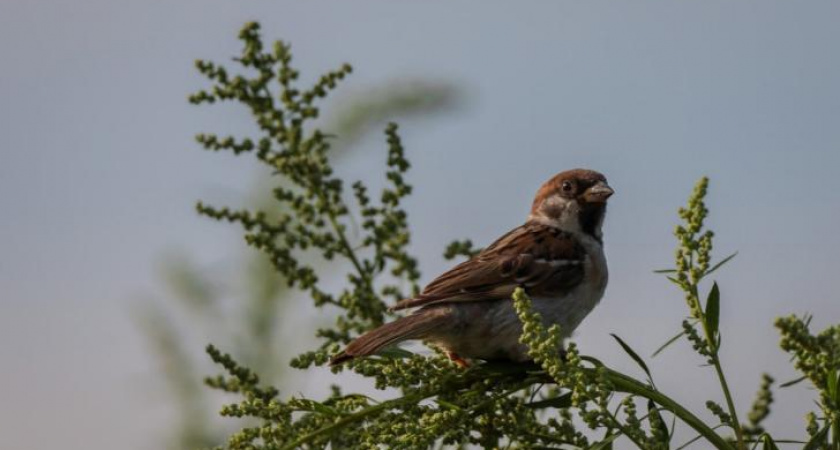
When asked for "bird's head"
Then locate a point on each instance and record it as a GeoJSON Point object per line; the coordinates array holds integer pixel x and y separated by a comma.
{"type": "Point", "coordinates": [574, 201]}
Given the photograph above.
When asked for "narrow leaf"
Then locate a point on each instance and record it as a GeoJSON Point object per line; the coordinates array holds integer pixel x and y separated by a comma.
{"type": "Point", "coordinates": [395, 353]}
{"type": "Point", "coordinates": [665, 271]}
{"type": "Point", "coordinates": [833, 390]}
{"type": "Point", "coordinates": [563, 401]}
{"type": "Point", "coordinates": [769, 444]}
{"type": "Point", "coordinates": [792, 382]}
{"type": "Point", "coordinates": [633, 355]}
{"type": "Point", "coordinates": [665, 345]}
{"type": "Point", "coordinates": [713, 313]}
{"type": "Point", "coordinates": [316, 407]}
{"type": "Point", "coordinates": [673, 427]}
{"type": "Point", "coordinates": [594, 361]}
{"type": "Point", "coordinates": [718, 265]}
{"type": "Point", "coordinates": [831, 382]}
{"type": "Point", "coordinates": [817, 440]}
{"type": "Point", "coordinates": [606, 444]}
{"type": "Point", "coordinates": [661, 427]}
{"type": "Point", "coordinates": [449, 405]}
{"type": "Point", "coordinates": [837, 392]}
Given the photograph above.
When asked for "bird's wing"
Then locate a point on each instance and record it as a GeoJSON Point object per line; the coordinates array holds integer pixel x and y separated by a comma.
{"type": "Point", "coordinates": [542, 259]}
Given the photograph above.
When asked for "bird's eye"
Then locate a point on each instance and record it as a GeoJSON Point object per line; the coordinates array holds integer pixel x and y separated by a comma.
{"type": "Point", "coordinates": [567, 186]}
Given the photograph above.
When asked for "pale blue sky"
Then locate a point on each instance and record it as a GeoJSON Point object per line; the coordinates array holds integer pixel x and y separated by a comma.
{"type": "Point", "coordinates": [99, 173]}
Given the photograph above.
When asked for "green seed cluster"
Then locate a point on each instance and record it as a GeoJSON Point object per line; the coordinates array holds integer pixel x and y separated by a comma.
{"type": "Point", "coordinates": [700, 345]}
{"type": "Point", "coordinates": [590, 388]}
{"type": "Point", "coordinates": [817, 357]}
{"type": "Point", "coordinates": [634, 427]}
{"type": "Point", "coordinates": [462, 248]}
{"type": "Point", "coordinates": [694, 252]}
{"type": "Point", "coordinates": [718, 411]}
{"type": "Point", "coordinates": [760, 407]}
{"type": "Point", "coordinates": [314, 215]}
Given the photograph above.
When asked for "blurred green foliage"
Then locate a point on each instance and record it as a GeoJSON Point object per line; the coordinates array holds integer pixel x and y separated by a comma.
{"type": "Point", "coordinates": [246, 304]}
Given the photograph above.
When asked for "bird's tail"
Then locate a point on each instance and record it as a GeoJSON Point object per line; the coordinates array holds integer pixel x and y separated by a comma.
{"type": "Point", "coordinates": [415, 326]}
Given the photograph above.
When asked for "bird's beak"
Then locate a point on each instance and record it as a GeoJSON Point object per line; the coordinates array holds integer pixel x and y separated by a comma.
{"type": "Point", "coordinates": [598, 193]}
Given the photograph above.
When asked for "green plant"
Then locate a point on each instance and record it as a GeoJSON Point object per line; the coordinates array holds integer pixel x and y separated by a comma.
{"type": "Point", "coordinates": [247, 291]}
{"type": "Point", "coordinates": [540, 405]}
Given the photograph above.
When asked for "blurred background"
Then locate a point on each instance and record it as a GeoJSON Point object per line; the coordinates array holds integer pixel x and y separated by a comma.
{"type": "Point", "coordinates": [111, 285]}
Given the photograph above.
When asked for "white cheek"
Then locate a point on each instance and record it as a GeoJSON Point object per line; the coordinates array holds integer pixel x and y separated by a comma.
{"type": "Point", "coordinates": [569, 218]}
{"type": "Point", "coordinates": [569, 211]}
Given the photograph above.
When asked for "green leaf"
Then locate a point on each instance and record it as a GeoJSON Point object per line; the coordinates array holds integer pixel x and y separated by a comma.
{"type": "Point", "coordinates": [837, 387]}
{"type": "Point", "coordinates": [395, 353]}
{"type": "Point", "coordinates": [317, 407]}
{"type": "Point", "coordinates": [562, 401]}
{"type": "Point", "coordinates": [661, 427]}
{"type": "Point", "coordinates": [633, 355]}
{"type": "Point", "coordinates": [448, 405]}
{"type": "Point", "coordinates": [817, 440]}
{"type": "Point", "coordinates": [833, 384]}
{"type": "Point", "coordinates": [718, 265]}
{"type": "Point", "coordinates": [769, 444]}
{"type": "Point", "coordinates": [665, 345]}
{"type": "Point", "coordinates": [665, 271]}
{"type": "Point", "coordinates": [606, 444]}
{"type": "Point", "coordinates": [792, 382]}
{"type": "Point", "coordinates": [594, 361]}
{"type": "Point", "coordinates": [712, 315]}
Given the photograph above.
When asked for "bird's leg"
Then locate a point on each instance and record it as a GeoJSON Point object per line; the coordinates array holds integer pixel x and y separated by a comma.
{"type": "Point", "coordinates": [461, 362]}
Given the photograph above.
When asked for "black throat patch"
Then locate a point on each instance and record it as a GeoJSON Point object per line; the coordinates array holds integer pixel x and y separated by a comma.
{"type": "Point", "coordinates": [592, 215]}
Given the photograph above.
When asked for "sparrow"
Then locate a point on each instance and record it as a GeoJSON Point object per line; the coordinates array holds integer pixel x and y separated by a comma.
{"type": "Point", "coordinates": [557, 256]}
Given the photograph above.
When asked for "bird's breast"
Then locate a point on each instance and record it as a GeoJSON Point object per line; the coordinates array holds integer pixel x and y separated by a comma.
{"type": "Point", "coordinates": [490, 329]}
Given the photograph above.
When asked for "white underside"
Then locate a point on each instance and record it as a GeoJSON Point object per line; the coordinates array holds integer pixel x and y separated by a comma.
{"type": "Point", "coordinates": [491, 329]}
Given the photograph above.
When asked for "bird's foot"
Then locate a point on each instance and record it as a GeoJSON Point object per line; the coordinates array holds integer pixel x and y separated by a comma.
{"type": "Point", "coordinates": [461, 362]}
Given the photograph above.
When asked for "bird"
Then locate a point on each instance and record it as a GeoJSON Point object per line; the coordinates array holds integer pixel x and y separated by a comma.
{"type": "Point", "coordinates": [556, 256]}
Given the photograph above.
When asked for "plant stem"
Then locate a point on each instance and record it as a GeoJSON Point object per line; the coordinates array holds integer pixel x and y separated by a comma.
{"type": "Point", "coordinates": [355, 417]}
{"type": "Point", "coordinates": [342, 238]}
{"type": "Point", "coordinates": [736, 424]}
{"type": "Point", "coordinates": [375, 409]}
{"type": "Point", "coordinates": [714, 348]}
{"type": "Point", "coordinates": [624, 383]}
{"type": "Point", "coordinates": [345, 244]}
{"type": "Point", "coordinates": [623, 430]}
{"type": "Point", "coordinates": [348, 249]}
